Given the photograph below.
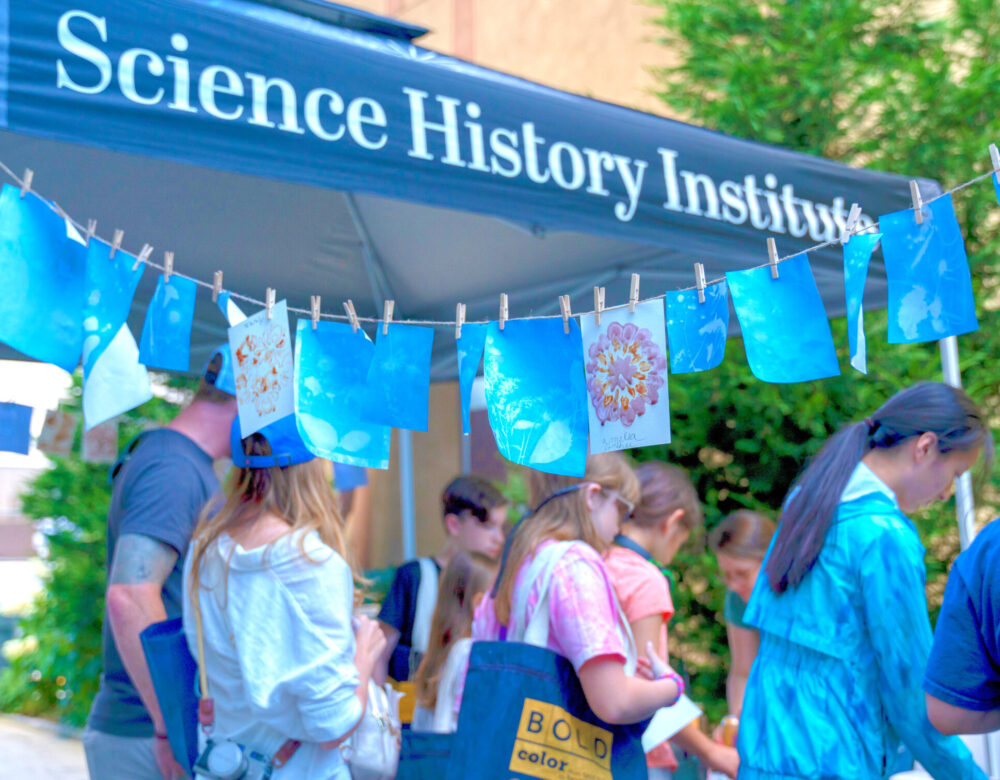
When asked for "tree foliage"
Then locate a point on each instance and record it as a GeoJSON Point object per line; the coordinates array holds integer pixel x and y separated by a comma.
{"type": "Point", "coordinates": [873, 83]}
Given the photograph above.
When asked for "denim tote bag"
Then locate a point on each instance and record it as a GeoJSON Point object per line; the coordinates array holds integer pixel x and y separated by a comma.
{"type": "Point", "coordinates": [424, 755]}
{"type": "Point", "coordinates": [173, 669]}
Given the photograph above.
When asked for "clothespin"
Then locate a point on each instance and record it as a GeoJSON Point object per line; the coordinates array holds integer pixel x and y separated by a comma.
{"type": "Point", "coordinates": [633, 293]}
{"type": "Point", "coordinates": [772, 257]}
{"type": "Point", "coordinates": [269, 297]}
{"type": "Point", "coordinates": [91, 230]}
{"type": "Point", "coordinates": [852, 223]}
{"type": "Point", "coordinates": [995, 158]}
{"type": "Point", "coordinates": [459, 319]}
{"type": "Point", "coordinates": [314, 302]}
{"type": "Point", "coordinates": [699, 281]}
{"type": "Point", "coordinates": [29, 176]}
{"type": "Point", "coordinates": [147, 250]}
{"type": "Point", "coordinates": [216, 286]}
{"type": "Point", "coordinates": [168, 265]}
{"type": "Point", "coordinates": [352, 315]}
{"type": "Point", "coordinates": [387, 316]}
{"type": "Point", "coordinates": [917, 203]}
{"type": "Point", "coordinates": [116, 244]}
{"type": "Point", "coordinates": [566, 314]}
{"type": "Point", "coordinates": [503, 310]}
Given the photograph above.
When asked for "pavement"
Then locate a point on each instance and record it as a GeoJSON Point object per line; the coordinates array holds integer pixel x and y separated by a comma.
{"type": "Point", "coordinates": [36, 749]}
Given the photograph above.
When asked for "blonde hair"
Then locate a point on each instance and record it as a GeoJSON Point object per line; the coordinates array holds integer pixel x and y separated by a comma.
{"type": "Point", "coordinates": [301, 495]}
{"type": "Point", "coordinates": [744, 534]}
{"type": "Point", "coordinates": [564, 518]}
{"type": "Point", "coordinates": [466, 575]}
{"type": "Point", "coordinates": [665, 489]}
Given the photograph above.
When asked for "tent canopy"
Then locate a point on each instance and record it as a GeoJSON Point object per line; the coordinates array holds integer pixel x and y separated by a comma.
{"type": "Point", "coordinates": [315, 149]}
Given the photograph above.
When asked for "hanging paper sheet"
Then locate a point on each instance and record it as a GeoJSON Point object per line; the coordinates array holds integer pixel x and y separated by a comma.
{"type": "Point", "coordinates": [996, 187]}
{"type": "Point", "coordinates": [41, 279]}
{"type": "Point", "coordinates": [696, 332]}
{"type": "Point", "coordinates": [15, 428]}
{"type": "Point", "coordinates": [347, 477]}
{"type": "Point", "coordinates": [166, 334]}
{"type": "Point", "coordinates": [399, 378]}
{"type": "Point", "coordinates": [785, 330]}
{"type": "Point", "coordinates": [57, 433]}
{"type": "Point", "coordinates": [857, 253]}
{"type": "Point", "coordinates": [100, 443]}
{"type": "Point", "coordinates": [262, 370]}
{"type": "Point", "coordinates": [234, 314]}
{"type": "Point", "coordinates": [536, 396]}
{"type": "Point", "coordinates": [331, 366]}
{"type": "Point", "coordinates": [625, 360]}
{"type": "Point", "coordinates": [116, 383]}
{"type": "Point", "coordinates": [109, 287]}
{"type": "Point", "coordinates": [470, 353]}
{"type": "Point", "coordinates": [930, 290]}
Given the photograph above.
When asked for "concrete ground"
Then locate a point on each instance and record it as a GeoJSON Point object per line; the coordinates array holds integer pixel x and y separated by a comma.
{"type": "Point", "coordinates": [35, 749]}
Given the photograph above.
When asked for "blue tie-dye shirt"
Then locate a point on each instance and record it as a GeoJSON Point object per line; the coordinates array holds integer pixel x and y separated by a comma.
{"type": "Point", "coordinates": [835, 691]}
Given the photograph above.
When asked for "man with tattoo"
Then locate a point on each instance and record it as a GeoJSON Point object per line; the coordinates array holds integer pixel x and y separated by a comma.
{"type": "Point", "coordinates": [161, 482]}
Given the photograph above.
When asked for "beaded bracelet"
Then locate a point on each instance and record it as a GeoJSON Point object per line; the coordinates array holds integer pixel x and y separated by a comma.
{"type": "Point", "coordinates": [678, 681]}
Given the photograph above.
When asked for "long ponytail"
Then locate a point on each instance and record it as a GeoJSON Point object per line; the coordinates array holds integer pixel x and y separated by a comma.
{"type": "Point", "coordinates": [815, 495]}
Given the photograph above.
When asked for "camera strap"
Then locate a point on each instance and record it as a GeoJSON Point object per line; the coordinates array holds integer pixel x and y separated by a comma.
{"type": "Point", "coordinates": [206, 704]}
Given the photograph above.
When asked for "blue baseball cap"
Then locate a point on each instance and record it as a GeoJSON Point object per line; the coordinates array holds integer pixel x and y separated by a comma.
{"type": "Point", "coordinates": [287, 447]}
{"type": "Point", "coordinates": [219, 370]}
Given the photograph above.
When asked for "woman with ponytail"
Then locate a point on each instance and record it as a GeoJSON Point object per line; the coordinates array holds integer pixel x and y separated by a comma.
{"type": "Point", "coordinates": [844, 631]}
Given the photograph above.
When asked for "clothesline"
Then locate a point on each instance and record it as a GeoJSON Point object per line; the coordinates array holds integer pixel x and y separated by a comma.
{"type": "Point", "coordinates": [846, 234]}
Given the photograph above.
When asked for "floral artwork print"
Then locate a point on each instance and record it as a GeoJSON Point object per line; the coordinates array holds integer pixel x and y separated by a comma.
{"type": "Point", "coordinates": [624, 373]}
{"type": "Point", "coordinates": [625, 367]}
{"type": "Point", "coordinates": [263, 369]}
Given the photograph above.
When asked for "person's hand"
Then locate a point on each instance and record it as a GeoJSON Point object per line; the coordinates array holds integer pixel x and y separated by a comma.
{"type": "Point", "coordinates": [644, 669]}
{"type": "Point", "coordinates": [724, 759]}
{"type": "Point", "coordinates": [165, 760]}
{"type": "Point", "coordinates": [657, 664]}
{"type": "Point", "coordinates": [370, 643]}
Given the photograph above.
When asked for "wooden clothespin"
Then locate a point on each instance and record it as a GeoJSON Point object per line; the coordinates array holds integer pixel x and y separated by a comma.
{"type": "Point", "coordinates": [352, 315]}
{"type": "Point", "coordinates": [314, 303]}
{"type": "Point", "coordinates": [995, 158]}
{"type": "Point", "coordinates": [503, 310]}
{"type": "Point", "coordinates": [91, 230]}
{"type": "Point", "coordinates": [387, 316]}
{"type": "Point", "coordinates": [633, 293]}
{"type": "Point", "coordinates": [29, 176]}
{"type": "Point", "coordinates": [168, 266]}
{"type": "Point", "coordinates": [147, 250]}
{"type": "Point", "coordinates": [566, 313]}
{"type": "Point", "coordinates": [851, 224]}
{"type": "Point", "coordinates": [269, 297]}
{"type": "Point", "coordinates": [216, 286]}
{"type": "Point", "coordinates": [699, 281]}
{"type": "Point", "coordinates": [116, 244]}
{"type": "Point", "coordinates": [598, 304]}
{"type": "Point", "coordinates": [918, 204]}
{"type": "Point", "coordinates": [459, 319]}
{"type": "Point", "coordinates": [772, 257]}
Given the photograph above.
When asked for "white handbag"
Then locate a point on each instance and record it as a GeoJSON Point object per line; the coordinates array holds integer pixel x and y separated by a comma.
{"type": "Point", "coordinates": [372, 751]}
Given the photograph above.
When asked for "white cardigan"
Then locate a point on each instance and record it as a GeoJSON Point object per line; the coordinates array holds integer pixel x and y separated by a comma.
{"type": "Point", "coordinates": [279, 648]}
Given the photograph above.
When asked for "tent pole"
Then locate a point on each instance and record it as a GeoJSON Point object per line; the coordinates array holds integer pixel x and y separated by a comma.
{"type": "Point", "coordinates": [406, 504]}
{"type": "Point", "coordinates": [965, 511]}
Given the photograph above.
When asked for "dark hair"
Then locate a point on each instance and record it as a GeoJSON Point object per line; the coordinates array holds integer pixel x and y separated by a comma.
{"type": "Point", "coordinates": [744, 534]}
{"type": "Point", "coordinates": [212, 394]}
{"type": "Point", "coordinates": [926, 407]}
{"type": "Point", "coordinates": [473, 494]}
{"type": "Point", "coordinates": [665, 489]}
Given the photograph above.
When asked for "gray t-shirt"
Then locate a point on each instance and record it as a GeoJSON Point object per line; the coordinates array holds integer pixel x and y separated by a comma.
{"type": "Point", "coordinates": [158, 492]}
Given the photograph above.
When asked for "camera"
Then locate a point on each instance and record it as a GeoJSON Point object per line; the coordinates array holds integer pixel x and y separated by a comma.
{"type": "Point", "coordinates": [227, 760]}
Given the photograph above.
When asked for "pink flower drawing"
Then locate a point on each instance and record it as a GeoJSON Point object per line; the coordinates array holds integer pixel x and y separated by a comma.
{"type": "Point", "coordinates": [624, 373]}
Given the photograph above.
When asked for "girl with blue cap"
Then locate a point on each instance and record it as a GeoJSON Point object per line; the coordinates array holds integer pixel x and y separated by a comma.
{"type": "Point", "coordinates": [835, 691]}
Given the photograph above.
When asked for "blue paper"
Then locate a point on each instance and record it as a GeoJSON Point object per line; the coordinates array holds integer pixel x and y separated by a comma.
{"type": "Point", "coordinates": [785, 330]}
{"type": "Point", "coordinates": [15, 428]}
{"type": "Point", "coordinates": [470, 353]}
{"type": "Point", "coordinates": [166, 334]}
{"type": "Point", "coordinates": [346, 478]}
{"type": "Point", "coordinates": [857, 253]}
{"type": "Point", "coordinates": [117, 382]}
{"type": "Point", "coordinates": [109, 287]}
{"type": "Point", "coordinates": [331, 365]}
{"type": "Point", "coordinates": [536, 395]}
{"type": "Point", "coordinates": [996, 187]}
{"type": "Point", "coordinates": [41, 281]}
{"type": "Point", "coordinates": [696, 332]}
{"type": "Point", "coordinates": [234, 314]}
{"type": "Point", "coordinates": [930, 290]}
{"type": "Point", "coordinates": [399, 378]}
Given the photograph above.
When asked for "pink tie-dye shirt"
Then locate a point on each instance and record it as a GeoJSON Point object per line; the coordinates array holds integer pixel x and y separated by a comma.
{"type": "Point", "coordinates": [583, 617]}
